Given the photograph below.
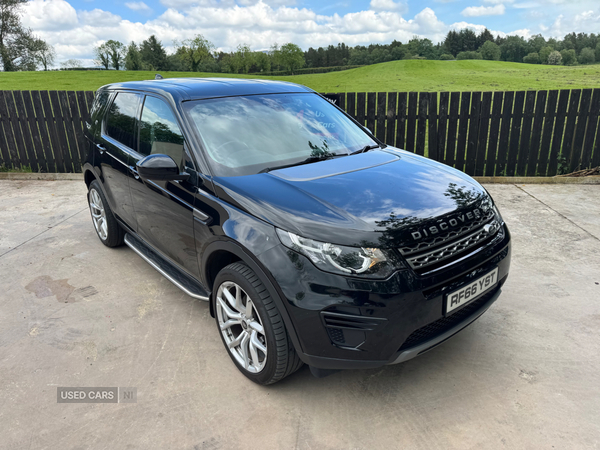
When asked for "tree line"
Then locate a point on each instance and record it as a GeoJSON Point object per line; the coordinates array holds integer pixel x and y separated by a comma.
{"type": "Point", "coordinates": [574, 48]}
{"type": "Point", "coordinates": [199, 54]}
{"type": "Point", "coordinates": [196, 55]}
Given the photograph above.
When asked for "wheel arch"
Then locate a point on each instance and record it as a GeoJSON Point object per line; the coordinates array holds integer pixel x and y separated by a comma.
{"type": "Point", "coordinates": [89, 176]}
{"type": "Point", "coordinates": [219, 251]}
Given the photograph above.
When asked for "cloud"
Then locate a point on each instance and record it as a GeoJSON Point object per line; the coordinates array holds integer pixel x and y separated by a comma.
{"type": "Point", "coordinates": [477, 11]}
{"type": "Point", "coordinates": [139, 6]}
{"type": "Point", "coordinates": [388, 5]}
{"type": "Point", "coordinates": [98, 18]}
{"type": "Point", "coordinates": [45, 15]}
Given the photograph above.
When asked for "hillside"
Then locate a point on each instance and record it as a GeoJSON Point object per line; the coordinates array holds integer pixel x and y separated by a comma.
{"type": "Point", "coordinates": [408, 75]}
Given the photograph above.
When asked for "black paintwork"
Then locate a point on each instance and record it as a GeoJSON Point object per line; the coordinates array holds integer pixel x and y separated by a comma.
{"type": "Point", "coordinates": [377, 198]}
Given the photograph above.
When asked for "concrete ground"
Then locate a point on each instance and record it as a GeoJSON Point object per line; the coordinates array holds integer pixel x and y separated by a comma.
{"type": "Point", "coordinates": [75, 313]}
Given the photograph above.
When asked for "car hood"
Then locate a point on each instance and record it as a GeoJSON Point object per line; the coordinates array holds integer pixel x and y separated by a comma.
{"type": "Point", "coordinates": [378, 198]}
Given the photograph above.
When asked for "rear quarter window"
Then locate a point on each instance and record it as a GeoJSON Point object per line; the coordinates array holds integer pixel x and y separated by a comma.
{"type": "Point", "coordinates": [121, 118]}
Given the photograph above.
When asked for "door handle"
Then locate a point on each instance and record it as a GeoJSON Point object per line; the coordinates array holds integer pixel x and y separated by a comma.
{"type": "Point", "coordinates": [101, 147]}
{"type": "Point", "coordinates": [134, 172]}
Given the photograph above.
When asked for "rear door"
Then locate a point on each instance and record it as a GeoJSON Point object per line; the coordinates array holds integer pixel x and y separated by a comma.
{"type": "Point", "coordinates": [164, 209]}
{"type": "Point", "coordinates": [117, 144]}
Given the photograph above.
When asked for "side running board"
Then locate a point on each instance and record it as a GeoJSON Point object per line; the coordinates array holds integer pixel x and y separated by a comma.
{"type": "Point", "coordinates": [176, 276]}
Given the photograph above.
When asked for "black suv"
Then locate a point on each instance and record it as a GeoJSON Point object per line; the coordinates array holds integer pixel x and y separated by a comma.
{"type": "Point", "coordinates": [312, 241]}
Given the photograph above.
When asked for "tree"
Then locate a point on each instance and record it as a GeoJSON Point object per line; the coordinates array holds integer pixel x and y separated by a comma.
{"type": "Point", "coordinates": [598, 52]}
{"type": "Point", "coordinates": [587, 56]}
{"type": "Point", "coordinates": [242, 59]}
{"type": "Point", "coordinates": [102, 54]}
{"type": "Point", "coordinates": [484, 36]}
{"type": "Point", "coordinates": [544, 53]}
{"type": "Point", "coordinates": [360, 56]}
{"type": "Point", "coordinates": [291, 56]}
{"type": "Point", "coordinates": [195, 51]}
{"type": "Point", "coordinates": [422, 47]}
{"type": "Point", "coordinates": [153, 54]}
{"type": "Point", "coordinates": [71, 64]}
{"type": "Point", "coordinates": [532, 58]}
{"type": "Point", "coordinates": [514, 48]}
{"type": "Point", "coordinates": [44, 53]}
{"type": "Point", "coordinates": [133, 59]}
{"type": "Point", "coordinates": [262, 62]}
{"type": "Point", "coordinates": [116, 53]}
{"type": "Point", "coordinates": [452, 43]}
{"type": "Point", "coordinates": [490, 51]}
{"type": "Point", "coordinates": [17, 44]}
{"type": "Point", "coordinates": [569, 57]}
{"type": "Point", "coordinates": [468, 40]}
{"type": "Point", "coordinates": [536, 43]}
{"type": "Point", "coordinates": [380, 55]}
{"type": "Point", "coordinates": [555, 58]}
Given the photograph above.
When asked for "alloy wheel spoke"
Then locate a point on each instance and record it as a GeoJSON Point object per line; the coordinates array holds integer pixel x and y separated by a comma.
{"type": "Point", "coordinates": [238, 299]}
{"type": "Point", "coordinates": [256, 326]}
{"type": "Point", "coordinates": [238, 340]}
{"type": "Point", "coordinates": [228, 311]}
{"type": "Point", "coordinates": [253, 352]}
{"type": "Point", "coordinates": [96, 215]}
{"type": "Point", "coordinates": [249, 309]}
{"type": "Point", "coordinates": [244, 348]}
{"type": "Point", "coordinates": [230, 323]}
{"type": "Point", "coordinates": [230, 299]}
{"type": "Point", "coordinates": [256, 344]}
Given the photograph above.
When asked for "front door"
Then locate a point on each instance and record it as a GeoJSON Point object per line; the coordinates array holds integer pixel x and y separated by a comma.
{"type": "Point", "coordinates": [116, 145]}
{"type": "Point", "coordinates": [164, 209]}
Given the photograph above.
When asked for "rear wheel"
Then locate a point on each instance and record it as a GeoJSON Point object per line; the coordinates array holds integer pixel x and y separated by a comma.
{"type": "Point", "coordinates": [251, 326]}
{"type": "Point", "coordinates": [107, 228]}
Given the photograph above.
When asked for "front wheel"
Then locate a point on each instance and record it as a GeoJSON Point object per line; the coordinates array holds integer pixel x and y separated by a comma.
{"type": "Point", "coordinates": [251, 326]}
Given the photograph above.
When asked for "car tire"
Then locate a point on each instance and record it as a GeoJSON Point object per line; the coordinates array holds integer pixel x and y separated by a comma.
{"type": "Point", "coordinates": [107, 228]}
{"type": "Point", "coordinates": [247, 331]}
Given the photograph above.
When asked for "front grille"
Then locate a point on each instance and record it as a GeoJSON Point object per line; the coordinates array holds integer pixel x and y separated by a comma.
{"type": "Point", "coordinates": [436, 252]}
{"type": "Point", "coordinates": [442, 238]}
{"type": "Point", "coordinates": [453, 249]}
{"type": "Point", "coordinates": [442, 325]}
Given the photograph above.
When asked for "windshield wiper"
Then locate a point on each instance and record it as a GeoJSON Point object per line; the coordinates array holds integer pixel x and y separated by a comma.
{"type": "Point", "coordinates": [310, 159]}
{"type": "Point", "coordinates": [365, 149]}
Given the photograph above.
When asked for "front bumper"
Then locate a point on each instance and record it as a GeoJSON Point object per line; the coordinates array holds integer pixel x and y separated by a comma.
{"type": "Point", "coordinates": [348, 323]}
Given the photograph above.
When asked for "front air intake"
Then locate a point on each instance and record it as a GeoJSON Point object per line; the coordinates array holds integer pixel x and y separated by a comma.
{"type": "Point", "coordinates": [348, 330]}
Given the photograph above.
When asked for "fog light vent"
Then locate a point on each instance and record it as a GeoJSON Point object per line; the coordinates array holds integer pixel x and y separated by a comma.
{"type": "Point", "coordinates": [336, 335]}
{"type": "Point", "coordinates": [349, 330]}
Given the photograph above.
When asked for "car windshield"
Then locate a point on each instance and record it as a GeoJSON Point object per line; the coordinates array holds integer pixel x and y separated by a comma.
{"type": "Point", "coordinates": [255, 133]}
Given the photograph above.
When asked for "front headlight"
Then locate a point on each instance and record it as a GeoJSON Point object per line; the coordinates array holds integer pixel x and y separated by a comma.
{"type": "Point", "coordinates": [498, 215]}
{"type": "Point", "coordinates": [357, 261]}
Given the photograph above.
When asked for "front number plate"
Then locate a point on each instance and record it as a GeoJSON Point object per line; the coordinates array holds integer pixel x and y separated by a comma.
{"type": "Point", "coordinates": [471, 291]}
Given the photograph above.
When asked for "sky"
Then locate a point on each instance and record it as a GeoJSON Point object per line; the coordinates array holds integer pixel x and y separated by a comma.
{"type": "Point", "coordinates": [75, 27]}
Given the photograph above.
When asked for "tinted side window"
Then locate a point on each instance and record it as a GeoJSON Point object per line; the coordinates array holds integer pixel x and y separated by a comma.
{"type": "Point", "coordinates": [99, 102]}
{"type": "Point", "coordinates": [159, 132]}
{"type": "Point", "coordinates": [120, 121]}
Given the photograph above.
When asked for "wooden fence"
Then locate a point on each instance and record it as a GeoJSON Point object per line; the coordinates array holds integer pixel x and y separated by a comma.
{"type": "Point", "coordinates": [481, 133]}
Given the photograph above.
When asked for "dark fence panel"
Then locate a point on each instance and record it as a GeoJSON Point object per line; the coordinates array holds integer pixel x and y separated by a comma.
{"type": "Point", "coordinates": [482, 133]}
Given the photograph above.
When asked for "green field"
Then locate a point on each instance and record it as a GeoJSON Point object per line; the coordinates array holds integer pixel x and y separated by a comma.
{"type": "Point", "coordinates": [410, 75]}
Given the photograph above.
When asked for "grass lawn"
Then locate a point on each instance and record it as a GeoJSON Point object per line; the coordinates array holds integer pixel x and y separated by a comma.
{"type": "Point", "coordinates": [401, 76]}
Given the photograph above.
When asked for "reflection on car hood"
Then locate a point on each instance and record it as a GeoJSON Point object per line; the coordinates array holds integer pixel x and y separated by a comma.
{"type": "Point", "coordinates": [374, 198]}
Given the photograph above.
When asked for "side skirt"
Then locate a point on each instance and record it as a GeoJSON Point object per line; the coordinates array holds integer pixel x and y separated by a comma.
{"type": "Point", "coordinates": [176, 276]}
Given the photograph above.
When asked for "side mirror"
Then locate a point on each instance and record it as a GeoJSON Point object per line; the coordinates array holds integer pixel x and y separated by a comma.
{"type": "Point", "coordinates": [160, 167]}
